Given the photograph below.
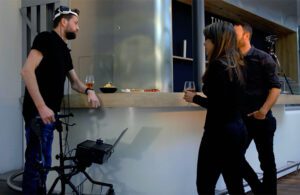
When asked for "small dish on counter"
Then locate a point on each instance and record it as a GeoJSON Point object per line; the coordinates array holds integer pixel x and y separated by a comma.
{"type": "Point", "coordinates": [131, 90]}
{"type": "Point", "coordinates": [125, 90]}
{"type": "Point", "coordinates": [108, 89]}
{"type": "Point", "coordinates": [139, 90]}
{"type": "Point", "coordinates": [151, 90]}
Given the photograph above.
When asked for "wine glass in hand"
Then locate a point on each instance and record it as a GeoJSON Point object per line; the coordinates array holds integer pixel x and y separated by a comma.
{"type": "Point", "coordinates": [189, 86]}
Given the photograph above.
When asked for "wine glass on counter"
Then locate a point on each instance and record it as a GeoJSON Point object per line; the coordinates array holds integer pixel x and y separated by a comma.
{"type": "Point", "coordinates": [89, 81]}
{"type": "Point", "coordinates": [189, 86]}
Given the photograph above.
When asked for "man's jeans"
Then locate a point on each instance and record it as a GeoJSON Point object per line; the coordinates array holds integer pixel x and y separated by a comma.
{"type": "Point", "coordinates": [37, 158]}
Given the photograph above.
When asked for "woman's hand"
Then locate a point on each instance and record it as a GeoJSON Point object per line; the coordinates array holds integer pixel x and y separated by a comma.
{"type": "Point", "coordinates": [189, 96]}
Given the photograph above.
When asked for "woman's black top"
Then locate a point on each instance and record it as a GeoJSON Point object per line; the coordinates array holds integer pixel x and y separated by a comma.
{"type": "Point", "coordinates": [223, 95]}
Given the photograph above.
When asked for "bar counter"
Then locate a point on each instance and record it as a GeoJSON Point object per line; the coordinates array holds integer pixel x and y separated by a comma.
{"type": "Point", "coordinates": [152, 99]}
{"type": "Point", "coordinates": [158, 154]}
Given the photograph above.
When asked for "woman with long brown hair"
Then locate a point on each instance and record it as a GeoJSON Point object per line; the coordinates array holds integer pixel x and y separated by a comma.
{"type": "Point", "coordinates": [222, 146]}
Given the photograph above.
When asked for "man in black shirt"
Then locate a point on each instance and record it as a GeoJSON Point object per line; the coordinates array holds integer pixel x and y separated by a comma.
{"type": "Point", "coordinates": [262, 91]}
{"type": "Point", "coordinates": [44, 72]}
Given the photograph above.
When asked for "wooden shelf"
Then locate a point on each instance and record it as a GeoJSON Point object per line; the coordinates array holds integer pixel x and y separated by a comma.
{"type": "Point", "coordinates": [188, 59]}
{"type": "Point", "coordinates": [182, 58]}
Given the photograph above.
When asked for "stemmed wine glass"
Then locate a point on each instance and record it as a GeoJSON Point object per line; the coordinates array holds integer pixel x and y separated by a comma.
{"type": "Point", "coordinates": [89, 81]}
{"type": "Point", "coordinates": [189, 86]}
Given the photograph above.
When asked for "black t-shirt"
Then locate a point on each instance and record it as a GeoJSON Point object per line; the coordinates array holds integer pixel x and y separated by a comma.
{"type": "Point", "coordinates": [50, 74]}
{"type": "Point", "coordinates": [261, 76]}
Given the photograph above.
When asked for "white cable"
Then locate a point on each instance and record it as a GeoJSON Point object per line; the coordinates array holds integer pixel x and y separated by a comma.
{"type": "Point", "coordinates": [10, 182]}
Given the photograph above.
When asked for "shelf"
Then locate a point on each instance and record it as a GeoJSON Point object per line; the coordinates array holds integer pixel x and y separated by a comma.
{"type": "Point", "coordinates": [188, 59]}
{"type": "Point", "coordinates": [182, 58]}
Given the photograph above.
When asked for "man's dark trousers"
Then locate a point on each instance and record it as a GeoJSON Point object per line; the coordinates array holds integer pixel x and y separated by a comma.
{"type": "Point", "coordinates": [262, 133]}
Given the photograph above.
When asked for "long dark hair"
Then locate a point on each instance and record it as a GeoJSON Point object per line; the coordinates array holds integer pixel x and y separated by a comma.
{"type": "Point", "coordinates": [224, 38]}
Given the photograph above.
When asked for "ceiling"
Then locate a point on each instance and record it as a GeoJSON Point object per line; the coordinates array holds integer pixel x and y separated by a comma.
{"type": "Point", "coordinates": [230, 11]}
{"type": "Point", "coordinates": [288, 7]}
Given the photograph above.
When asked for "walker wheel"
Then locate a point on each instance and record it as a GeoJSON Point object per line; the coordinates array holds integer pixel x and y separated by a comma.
{"type": "Point", "coordinates": [111, 191]}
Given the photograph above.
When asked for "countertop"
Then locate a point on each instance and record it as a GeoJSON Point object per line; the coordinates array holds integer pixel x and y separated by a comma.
{"type": "Point", "coordinates": [150, 99]}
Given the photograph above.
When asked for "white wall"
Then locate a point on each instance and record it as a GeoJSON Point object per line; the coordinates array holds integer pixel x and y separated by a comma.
{"type": "Point", "coordinates": [157, 155]}
{"type": "Point", "coordinates": [10, 85]}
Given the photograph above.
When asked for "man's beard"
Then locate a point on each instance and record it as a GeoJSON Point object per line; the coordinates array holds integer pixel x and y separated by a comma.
{"type": "Point", "coordinates": [70, 35]}
{"type": "Point", "coordinates": [240, 43]}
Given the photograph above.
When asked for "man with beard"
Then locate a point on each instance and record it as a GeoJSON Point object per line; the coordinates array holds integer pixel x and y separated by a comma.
{"type": "Point", "coordinates": [262, 91]}
{"type": "Point", "coordinates": [44, 72]}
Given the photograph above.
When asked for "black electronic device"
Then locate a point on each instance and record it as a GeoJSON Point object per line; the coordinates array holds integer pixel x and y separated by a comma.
{"type": "Point", "coordinates": [271, 40]}
{"type": "Point", "coordinates": [89, 151]}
